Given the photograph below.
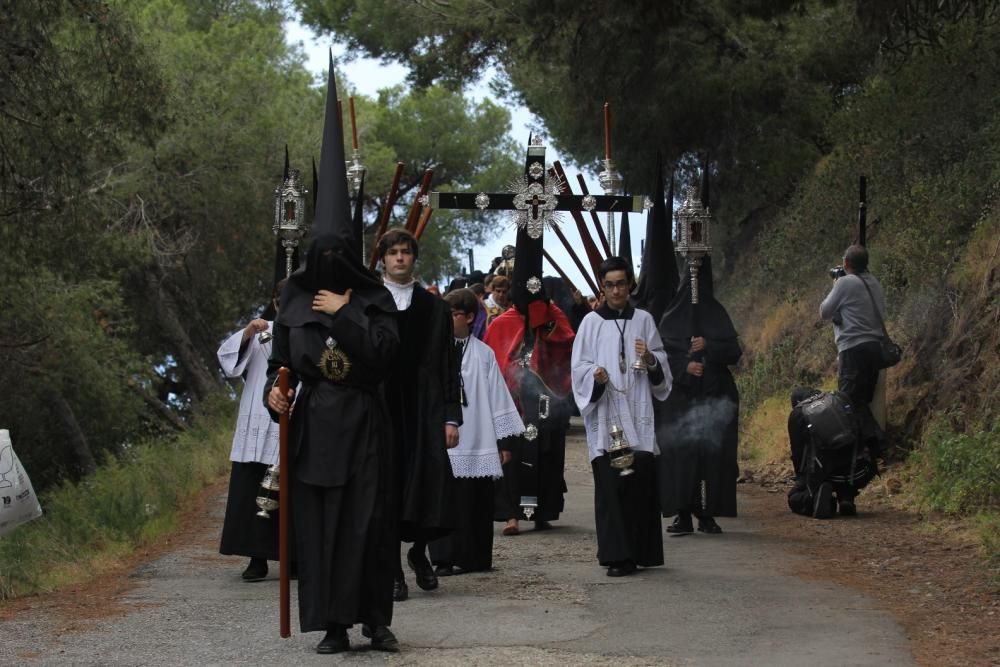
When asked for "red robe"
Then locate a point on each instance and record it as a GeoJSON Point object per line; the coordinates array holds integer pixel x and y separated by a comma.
{"type": "Point", "coordinates": [553, 348]}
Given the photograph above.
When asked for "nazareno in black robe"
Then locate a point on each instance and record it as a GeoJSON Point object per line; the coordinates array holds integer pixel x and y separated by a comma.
{"type": "Point", "coordinates": [422, 392]}
{"type": "Point", "coordinates": [697, 426]}
{"type": "Point", "coordinates": [343, 505]}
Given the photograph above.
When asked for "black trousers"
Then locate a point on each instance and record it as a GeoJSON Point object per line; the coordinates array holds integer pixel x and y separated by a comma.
{"type": "Point", "coordinates": [470, 546]}
{"type": "Point", "coordinates": [627, 512]}
{"type": "Point", "coordinates": [857, 375]}
{"type": "Point", "coordinates": [243, 532]}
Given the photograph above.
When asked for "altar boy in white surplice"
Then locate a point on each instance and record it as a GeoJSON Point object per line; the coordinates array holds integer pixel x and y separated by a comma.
{"type": "Point", "coordinates": [619, 368]}
{"type": "Point", "coordinates": [490, 424]}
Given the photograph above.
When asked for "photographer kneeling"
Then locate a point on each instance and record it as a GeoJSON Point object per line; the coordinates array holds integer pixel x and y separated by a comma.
{"type": "Point", "coordinates": [832, 458]}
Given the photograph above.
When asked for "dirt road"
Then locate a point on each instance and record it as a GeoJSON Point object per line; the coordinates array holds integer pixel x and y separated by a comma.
{"type": "Point", "coordinates": [736, 599]}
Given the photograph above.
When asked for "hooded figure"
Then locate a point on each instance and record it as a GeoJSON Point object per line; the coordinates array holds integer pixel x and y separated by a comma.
{"type": "Point", "coordinates": [533, 342]}
{"type": "Point", "coordinates": [336, 333]}
{"type": "Point", "coordinates": [658, 278]}
{"type": "Point", "coordinates": [697, 427]}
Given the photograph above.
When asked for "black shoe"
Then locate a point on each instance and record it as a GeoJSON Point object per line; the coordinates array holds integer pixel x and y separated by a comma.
{"type": "Point", "coordinates": [382, 638]}
{"type": "Point", "coordinates": [400, 591]}
{"type": "Point", "coordinates": [847, 508]}
{"type": "Point", "coordinates": [256, 570]}
{"type": "Point", "coordinates": [822, 504]}
{"type": "Point", "coordinates": [543, 525]}
{"type": "Point", "coordinates": [682, 524]}
{"type": "Point", "coordinates": [335, 641]}
{"type": "Point", "coordinates": [622, 569]}
{"type": "Point", "coordinates": [421, 567]}
{"type": "Point", "coordinates": [444, 570]}
{"type": "Point", "coordinates": [706, 524]}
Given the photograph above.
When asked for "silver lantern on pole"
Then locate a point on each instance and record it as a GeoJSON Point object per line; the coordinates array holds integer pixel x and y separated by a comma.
{"type": "Point", "coordinates": [693, 221]}
{"type": "Point", "coordinates": [290, 228]}
{"type": "Point", "coordinates": [290, 215]}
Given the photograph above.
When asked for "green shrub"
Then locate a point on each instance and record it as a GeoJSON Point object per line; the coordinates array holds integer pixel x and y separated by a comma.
{"type": "Point", "coordinates": [129, 499]}
{"type": "Point", "coordinates": [960, 471]}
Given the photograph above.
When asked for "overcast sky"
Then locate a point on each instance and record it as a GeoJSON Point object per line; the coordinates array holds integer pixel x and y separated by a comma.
{"type": "Point", "coordinates": [369, 75]}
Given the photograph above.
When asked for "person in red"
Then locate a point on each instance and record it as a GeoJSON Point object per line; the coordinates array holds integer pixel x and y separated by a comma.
{"type": "Point", "coordinates": [533, 342]}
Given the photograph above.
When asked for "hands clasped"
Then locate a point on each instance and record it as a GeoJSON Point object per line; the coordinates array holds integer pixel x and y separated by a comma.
{"type": "Point", "coordinates": [330, 302]}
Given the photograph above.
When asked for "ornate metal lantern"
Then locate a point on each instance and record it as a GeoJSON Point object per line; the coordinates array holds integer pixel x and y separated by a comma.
{"type": "Point", "coordinates": [290, 215]}
{"type": "Point", "coordinates": [355, 171]}
{"type": "Point", "coordinates": [611, 182]}
{"type": "Point", "coordinates": [692, 231]}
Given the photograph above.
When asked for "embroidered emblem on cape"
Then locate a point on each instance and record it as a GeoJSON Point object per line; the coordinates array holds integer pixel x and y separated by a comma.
{"type": "Point", "coordinates": [531, 432]}
{"type": "Point", "coordinates": [334, 363]}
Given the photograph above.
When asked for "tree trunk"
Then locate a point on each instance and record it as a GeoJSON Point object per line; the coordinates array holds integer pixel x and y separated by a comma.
{"type": "Point", "coordinates": [77, 440]}
{"type": "Point", "coordinates": [198, 375]}
{"type": "Point", "coordinates": [158, 407]}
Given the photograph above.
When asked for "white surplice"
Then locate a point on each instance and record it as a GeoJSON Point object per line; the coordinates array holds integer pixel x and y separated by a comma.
{"type": "Point", "coordinates": [256, 436]}
{"type": "Point", "coordinates": [598, 343]}
{"type": "Point", "coordinates": [489, 416]}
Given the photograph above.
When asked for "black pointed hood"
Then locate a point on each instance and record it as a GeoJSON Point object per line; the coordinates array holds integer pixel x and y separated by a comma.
{"type": "Point", "coordinates": [625, 242]}
{"type": "Point", "coordinates": [658, 277]}
{"type": "Point", "coordinates": [333, 260]}
{"type": "Point", "coordinates": [710, 319]}
{"type": "Point", "coordinates": [333, 202]}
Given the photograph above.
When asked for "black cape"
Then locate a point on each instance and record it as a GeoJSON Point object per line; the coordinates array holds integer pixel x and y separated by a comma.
{"type": "Point", "coordinates": [423, 395]}
{"type": "Point", "coordinates": [343, 506]}
{"type": "Point", "coordinates": [697, 426]}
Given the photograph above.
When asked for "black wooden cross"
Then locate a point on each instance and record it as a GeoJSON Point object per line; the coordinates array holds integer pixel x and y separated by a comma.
{"type": "Point", "coordinates": [532, 201]}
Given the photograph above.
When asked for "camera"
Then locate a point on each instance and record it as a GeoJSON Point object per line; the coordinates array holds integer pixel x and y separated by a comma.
{"type": "Point", "coordinates": [837, 272]}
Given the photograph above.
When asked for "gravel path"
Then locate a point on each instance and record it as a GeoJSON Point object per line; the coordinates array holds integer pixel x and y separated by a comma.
{"type": "Point", "coordinates": [720, 600]}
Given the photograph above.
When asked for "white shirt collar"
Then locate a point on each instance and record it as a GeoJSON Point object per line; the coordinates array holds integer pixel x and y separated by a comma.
{"type": "Point", "coordinates": [401, 294]}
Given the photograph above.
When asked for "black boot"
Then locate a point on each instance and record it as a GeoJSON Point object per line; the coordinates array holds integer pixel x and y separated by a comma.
{"type": "Point", "coordinates": [335, 640]}
{"type": "Point", "coordinates": [400, 591]}
{"type": "Point", "coordinates": [382, 638]}
{"type": "Point", "coordinates": [256, 570]}
{"type": "Point", "coordinates": [421, 567]}
{"type": "Point", "coordinates": [682, 524]}
{"type": "Point", "coordinates": [706, 524]}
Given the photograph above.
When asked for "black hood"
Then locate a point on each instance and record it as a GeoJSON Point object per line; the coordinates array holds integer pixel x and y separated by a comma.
{"type": "Point", "coordinates": [658, 277]}
{"type": "Point", "coordinates": [710, 319]}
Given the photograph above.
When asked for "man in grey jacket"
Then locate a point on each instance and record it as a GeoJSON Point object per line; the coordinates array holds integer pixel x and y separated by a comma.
{"type": "Point", "coordinates": [857, 329]}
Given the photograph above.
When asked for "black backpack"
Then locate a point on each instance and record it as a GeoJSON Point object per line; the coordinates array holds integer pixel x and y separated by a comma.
{"type": "Point", "coordinates": [833, 423]}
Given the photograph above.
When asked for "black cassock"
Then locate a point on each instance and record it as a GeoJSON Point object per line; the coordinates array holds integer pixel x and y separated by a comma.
{"type": "Point", "coordinates": [341, 456]}
{"type": "Point", "coordinates": [697, 426]}
{"type": "Point", "coordinates": [422, 392]}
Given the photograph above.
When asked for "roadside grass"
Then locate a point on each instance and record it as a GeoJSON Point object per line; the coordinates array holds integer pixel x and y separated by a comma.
{"type": "Point", "coordinates": [90, 526]}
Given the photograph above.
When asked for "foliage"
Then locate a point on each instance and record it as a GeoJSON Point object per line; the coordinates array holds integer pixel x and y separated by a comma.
{"type": "Point", "coordinates": [961, 470]}
{"type": "Point", "coordinates": [128, 501]}
{"type": "Point", "coordinates": [140, 143]}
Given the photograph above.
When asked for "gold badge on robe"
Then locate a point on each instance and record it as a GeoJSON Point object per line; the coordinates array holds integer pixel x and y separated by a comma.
{"type": "Point", "coordinates": [334, 363]}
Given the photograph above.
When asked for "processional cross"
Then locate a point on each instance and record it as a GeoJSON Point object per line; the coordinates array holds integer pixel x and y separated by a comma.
{"type": "Point", "coordinates": [534, 204]}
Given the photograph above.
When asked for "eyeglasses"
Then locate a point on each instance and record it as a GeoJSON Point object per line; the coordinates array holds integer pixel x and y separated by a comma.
{"type": "Point", "coordinates": [612, 286]}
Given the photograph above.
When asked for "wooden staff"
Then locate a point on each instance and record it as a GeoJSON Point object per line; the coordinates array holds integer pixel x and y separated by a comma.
{"type": "Point", "coordinates": [425, 185]}
{"type": "Point", "coordinates": [383, 223]}
{"type": "Point", "coordinates": [425, 215]}
{"type": "Point", "coordinates": [562, 274]}
{"type": "Point", "coordinates": [284, 517]}
{"type": "Point", "coordinates": [593, 254]}
{"type": "Point", "coordinates": [354, 123]}
{"type": "Point", "coordinates": [595, 218]}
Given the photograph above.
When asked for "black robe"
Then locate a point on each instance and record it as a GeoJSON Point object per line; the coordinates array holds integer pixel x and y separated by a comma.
{"type": "Point", "coordinates": [422, 392]}
{"type": "Point", "coordinates": [341, 457]}
{"type": "Point", "coordinates": [626, 512]}
{"type": "Point", "coordinates": [697, 426]}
